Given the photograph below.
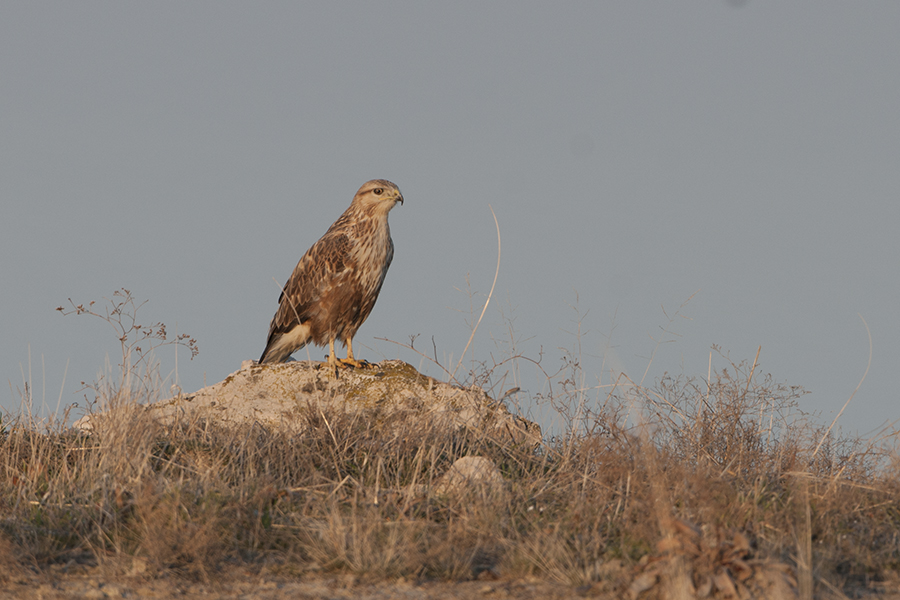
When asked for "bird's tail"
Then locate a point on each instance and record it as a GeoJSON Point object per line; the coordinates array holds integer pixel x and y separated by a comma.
{"type": "Point", "coordinates": [273, 352]}
{"type": "Point", "coordinates": [281, 345]}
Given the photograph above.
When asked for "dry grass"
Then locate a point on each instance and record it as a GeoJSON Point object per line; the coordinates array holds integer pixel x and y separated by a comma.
{"type": "Point", "coordinates": [714, 477]}
{"type": "Point", "coordinates": [192, 499]}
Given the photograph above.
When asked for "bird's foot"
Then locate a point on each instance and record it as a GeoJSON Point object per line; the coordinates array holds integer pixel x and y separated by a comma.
{"type": "Point", "coordinates": [352, 362]}
{"type": "Point", "coordinates": [334, 365]}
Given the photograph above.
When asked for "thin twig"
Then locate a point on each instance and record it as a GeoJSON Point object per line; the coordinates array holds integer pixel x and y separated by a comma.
{"type": "Point", "coordinates": [838, 416]}
{"type": "Point", "coordinates": [496, 273]}
{"type": "Point", "coordinates": [417, 351]}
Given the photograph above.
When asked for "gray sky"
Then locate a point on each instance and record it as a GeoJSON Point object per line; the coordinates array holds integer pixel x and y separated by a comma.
{"type": "Point", "coordinates": [634, 154]}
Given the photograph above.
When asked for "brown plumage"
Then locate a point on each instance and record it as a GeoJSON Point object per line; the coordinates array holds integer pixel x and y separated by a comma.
{"type": "Point", "coordinates": [334, 286]}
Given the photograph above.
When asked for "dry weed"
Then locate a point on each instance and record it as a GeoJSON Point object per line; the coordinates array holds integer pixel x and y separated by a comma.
{"type": "Point", "coordinates": [721, 486]}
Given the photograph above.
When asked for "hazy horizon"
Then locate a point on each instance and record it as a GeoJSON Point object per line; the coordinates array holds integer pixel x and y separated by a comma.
{"type": "Point", "coordinates": [734, 163]}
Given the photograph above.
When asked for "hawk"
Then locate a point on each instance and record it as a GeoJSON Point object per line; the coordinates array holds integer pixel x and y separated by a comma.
{"type": "Point", "coordinates": [334, 286]}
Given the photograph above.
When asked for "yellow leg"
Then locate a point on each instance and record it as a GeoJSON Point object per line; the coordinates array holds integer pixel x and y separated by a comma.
{"type": "Point", "coordinates": [343, 363]}
{"type": "Point", "coordinates": [332, 359]}
{"type": "Point", "coordinates": [350, 361]}
{"type": "Point", "coordinates": [333, 362]}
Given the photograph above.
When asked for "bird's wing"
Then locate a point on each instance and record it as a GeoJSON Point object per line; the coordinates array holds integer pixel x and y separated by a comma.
{"type": "Point", "coordinates": [322, 265]}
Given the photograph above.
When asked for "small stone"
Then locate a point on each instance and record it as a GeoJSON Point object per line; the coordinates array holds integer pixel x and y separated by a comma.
{"type": "Point", "coordinates": [138, 567]}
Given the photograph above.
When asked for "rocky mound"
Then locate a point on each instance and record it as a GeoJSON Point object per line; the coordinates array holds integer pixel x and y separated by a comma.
{"type": "Point", "coordinates": [278, 395]}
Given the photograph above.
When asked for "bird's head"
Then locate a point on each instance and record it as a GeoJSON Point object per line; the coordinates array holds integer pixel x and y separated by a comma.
{"type": "Point", "coordinates": [378, 196]}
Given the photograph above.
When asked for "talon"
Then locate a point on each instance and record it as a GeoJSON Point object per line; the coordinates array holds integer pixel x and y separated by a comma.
{"type": "Point", "coordinates": [331, 369]}
{"type": "Point", "coordinates": [345, 363]}
{"type": "Point", "coordinates": [352, 362]}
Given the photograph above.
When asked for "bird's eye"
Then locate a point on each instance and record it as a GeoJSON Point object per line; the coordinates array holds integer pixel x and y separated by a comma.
{"type": "Point", "coordinates": [378, 191]}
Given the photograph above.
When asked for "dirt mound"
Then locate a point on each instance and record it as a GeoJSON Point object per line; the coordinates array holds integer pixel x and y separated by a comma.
{"type": "Point", "coordinates": [279, 395]}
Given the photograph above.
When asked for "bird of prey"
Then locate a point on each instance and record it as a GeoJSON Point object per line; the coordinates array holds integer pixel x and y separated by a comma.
{"type": "Point", "coordinates": [334, 286]}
